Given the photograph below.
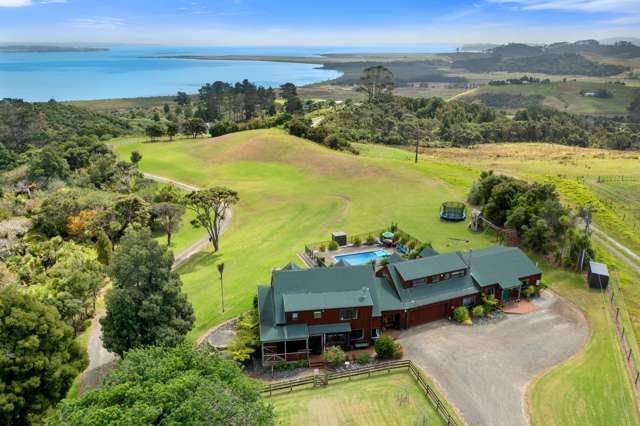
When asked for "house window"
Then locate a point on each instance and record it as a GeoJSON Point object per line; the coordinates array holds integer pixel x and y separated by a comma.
{"type": "Point", "coordinates": [491, 291]}
{"type": "Point", "coordinates": [469, 301]}
{"type": "Point", "coordinates": [294, 316]}
{"type": "Point", "coordinates": [317, 314]}
{"type": "Point", "coordinates": [348, 314]}
{"type": "Point", "coordinates": [375, 333]}
{"type": "Point", "coordinates": [458, 274]}
{"type": "Point", "coordinates": [421, 281]}
{"type": "Point", "coordinates": [357, 334]}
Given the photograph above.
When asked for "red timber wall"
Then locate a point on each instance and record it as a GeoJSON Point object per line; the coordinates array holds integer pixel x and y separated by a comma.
{"type": "Point", "coordinates": [332, 316]}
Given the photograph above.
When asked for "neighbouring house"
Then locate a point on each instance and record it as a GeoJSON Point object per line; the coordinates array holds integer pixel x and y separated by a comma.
{"type": "Point", "coordinates": [303, 311]}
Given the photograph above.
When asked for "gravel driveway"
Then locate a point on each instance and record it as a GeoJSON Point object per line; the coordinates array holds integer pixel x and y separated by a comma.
{"type": "Point", "coordinates": [485, 369]}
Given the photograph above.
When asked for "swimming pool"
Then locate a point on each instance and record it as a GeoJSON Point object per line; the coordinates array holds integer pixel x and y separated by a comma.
{"type": "Point", "coordinates": [362, 258]}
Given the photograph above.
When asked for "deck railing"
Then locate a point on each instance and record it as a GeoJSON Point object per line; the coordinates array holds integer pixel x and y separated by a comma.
{"type": "Point", "coordinates": [312, 247]}
{"type": "Point", "coordinates": [325, 379]}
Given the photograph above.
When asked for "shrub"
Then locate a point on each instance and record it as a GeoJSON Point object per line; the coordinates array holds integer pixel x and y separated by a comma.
{"type": "Point", "coordinates": [461, 314]}
{"type": "Point", "coordinates": [363, 358]}
{"type": "Point", "coordinates": [387, 348]}
{"type": "Point", "coordinates": [490, 303]}
{"type": "Point", "coordinates": [357, 241]}
{"type": "Point", "coordinates": [529, 291]}
{"type": "Point", "coordinates": [322, 247]}
{"type": "Point", "coordinates": [333, 245]}
{"type": "Point", "coordinates": [370, 239]}
{"type": "Point", "coordinates": [478, 311]}
{"type": "Point", "coordinates": [412, 244]}
{"type": "Point", "coordinates": [403, 240]}
{"type": "Point", "coordinates": [292, 365]}
{"type": "Point", "coordinates": [334, 355]}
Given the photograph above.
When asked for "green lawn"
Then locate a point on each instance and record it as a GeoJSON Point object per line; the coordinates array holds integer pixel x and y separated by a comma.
{"type": "Point", "coordinates": [592, 387]}
{"type": "Point", "coordinates": [565, 96]}
{"type": "Point", "coordinates": [386, 399]}
{"type": "Point", "coordinates": [295, 192]}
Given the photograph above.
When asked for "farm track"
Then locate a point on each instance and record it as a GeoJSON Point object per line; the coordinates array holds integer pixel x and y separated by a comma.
{"type": "Point", "coordinates": [616, 248]}
{"type": "Point", "coordinates": [100, 359]}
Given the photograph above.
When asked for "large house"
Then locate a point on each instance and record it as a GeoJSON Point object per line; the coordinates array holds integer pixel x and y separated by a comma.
{"type": "Point", "coordinates": [305, 310]}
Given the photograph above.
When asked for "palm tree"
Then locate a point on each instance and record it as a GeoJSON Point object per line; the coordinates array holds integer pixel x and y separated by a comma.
{"type": "Point", "coordinates": [221, 271]}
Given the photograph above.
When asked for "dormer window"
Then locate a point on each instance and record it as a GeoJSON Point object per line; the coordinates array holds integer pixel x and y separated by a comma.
{"type": "Point", "coordinates": [317, 315]}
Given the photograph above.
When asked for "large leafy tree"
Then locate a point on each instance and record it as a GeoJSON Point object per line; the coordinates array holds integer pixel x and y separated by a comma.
{"type": "Point", "coordinates": [211, 207]}
{"type": "Point", "coordinates": [46, 165]}
{"type": "Point", "coordinates": [38, 357]}
{"type": "Point", "coordinates": [292, 102]}
{"type": "Point", "coordinates": [126, 210]}
{"type": "Point", "coordinates": [178, 386]}
{"type": "Point", "coordinates": [146, 306]}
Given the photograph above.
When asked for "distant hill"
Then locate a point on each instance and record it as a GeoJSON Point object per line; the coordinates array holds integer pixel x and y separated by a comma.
{"type": "Point", "coordinates": [619, 49]}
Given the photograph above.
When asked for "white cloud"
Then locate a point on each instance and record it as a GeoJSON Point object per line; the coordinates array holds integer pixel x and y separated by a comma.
{"type": "Point", "coordinates": [98, 23]}
{"type": "Point", "coordinates": [53, 1]}
{"type": "Point", "coordinates": [15, 3]}
{"type": "Point", "coordinates": [628, 11]}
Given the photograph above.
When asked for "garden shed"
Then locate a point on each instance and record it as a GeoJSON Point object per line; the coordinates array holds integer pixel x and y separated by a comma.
{"type": "Point", "coordinates": [339, 237]}
{"type": "Point", "coordinates": [598, 275]}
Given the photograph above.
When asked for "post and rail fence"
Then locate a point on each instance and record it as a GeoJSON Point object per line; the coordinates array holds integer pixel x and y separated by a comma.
{"type": "Point", "coordinates": [613, 296]}
{"type": "Point", "coordinates": [318, 380]}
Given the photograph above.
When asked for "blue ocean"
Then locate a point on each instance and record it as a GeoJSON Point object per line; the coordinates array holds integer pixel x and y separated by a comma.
{"type": "Point", "coordinates": [131, 71]}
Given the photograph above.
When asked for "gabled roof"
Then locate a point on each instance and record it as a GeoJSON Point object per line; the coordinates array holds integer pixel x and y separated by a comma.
{"type": "Point", "coordinates": [500, 265]}
{"type": "Point", "coordinates": [428, 266]}
{"type": "Point", "coordinates": [428, 251]}
{"type": "Point", "coordinates": [395, 258]}
{"type": "Point", "coordinates": [293, 302]}
{"type": "Point", "coordinates": [290, 267]}
{"type": "Point", "coordinates": [322, 282]}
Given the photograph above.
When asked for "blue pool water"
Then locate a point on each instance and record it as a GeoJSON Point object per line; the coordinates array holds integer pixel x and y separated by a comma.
{"type": "Point", "coordinates": [362, 258]}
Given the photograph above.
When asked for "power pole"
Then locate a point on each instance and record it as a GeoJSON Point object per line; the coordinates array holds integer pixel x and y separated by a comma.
{"type": "Point", "coordinates": [587, 215]}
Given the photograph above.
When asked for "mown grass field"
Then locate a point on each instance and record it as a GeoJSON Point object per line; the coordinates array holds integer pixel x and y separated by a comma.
{"type": "Point", "coordinates": [565, 96]}
{"type": "Point", "coordinates": [295, 192]}
{"type": "Point", "coordinates": [386, 399]}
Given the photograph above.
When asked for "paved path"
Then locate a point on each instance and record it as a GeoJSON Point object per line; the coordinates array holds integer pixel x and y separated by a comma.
{"type": "Point", "coordinates": [485, 369]}
{"type": "Point", "coordinates": [617, 249]}
{"type": "Point", "coordinates": [100, 359]}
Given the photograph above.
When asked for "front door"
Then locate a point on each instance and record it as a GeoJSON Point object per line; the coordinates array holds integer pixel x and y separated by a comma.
{"type": "Point", "coordinates": [506, 295]}
{"type": "Point", "coordinates": [315, 345]}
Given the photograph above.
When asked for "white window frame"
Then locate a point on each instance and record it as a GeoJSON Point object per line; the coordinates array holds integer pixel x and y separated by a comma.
{"type": "Point", "coordinates": [317, 315]}
{"type": "Point", "coordinates": [342, 312]}
{"type": "Point", "coordinates": [295, 316]}
{"type": "Point", "coordinates": [466, 298]}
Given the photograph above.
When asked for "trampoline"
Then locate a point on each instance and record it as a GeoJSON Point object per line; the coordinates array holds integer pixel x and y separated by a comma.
{"type": "Point", "coordinates": [453, 211]}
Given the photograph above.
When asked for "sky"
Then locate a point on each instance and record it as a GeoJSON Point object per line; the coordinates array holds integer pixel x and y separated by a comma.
{"type": "Point", "coordinates": [319, 22]}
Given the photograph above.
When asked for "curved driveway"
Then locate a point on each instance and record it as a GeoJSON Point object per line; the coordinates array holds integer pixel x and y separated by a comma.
{"type": "Point", "coordinates": [485, 369]}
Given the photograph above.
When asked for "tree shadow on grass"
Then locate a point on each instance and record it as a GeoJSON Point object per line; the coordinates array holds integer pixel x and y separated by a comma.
{"type": "Point", "coordinates": [200, 261]}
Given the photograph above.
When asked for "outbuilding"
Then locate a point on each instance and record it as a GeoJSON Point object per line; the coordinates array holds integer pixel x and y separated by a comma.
{"type": "Point", "coordinates": [339, 237]}
{"type": "Point", "coordinates": [598, 276]}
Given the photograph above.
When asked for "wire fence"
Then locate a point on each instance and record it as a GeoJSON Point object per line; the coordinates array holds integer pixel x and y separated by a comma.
{"type": "Point", "coordinates": [321, 380]}
{"type": "Point", "coordinates": [625, 333]}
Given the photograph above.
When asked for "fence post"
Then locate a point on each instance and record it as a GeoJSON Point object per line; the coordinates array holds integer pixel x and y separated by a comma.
{"type": "Point", "coordinates": [617, 313]}
{"type": "Point", "coordinates": [637, 377]}
{"type": "Point", "coordinates": [622, 336]}
{"type": "Point", "coordinates": [629, 356]}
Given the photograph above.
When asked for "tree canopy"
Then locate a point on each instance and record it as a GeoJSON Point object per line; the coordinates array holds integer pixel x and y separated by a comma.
{"type": "Point", "coordinates": [38, 357]}
{"type": "Point", "coordinates": [146, 306]}
{"type": "Point", "coordinates": [211, 207]}
{"type": "Point", "coordinates": [177, 386]}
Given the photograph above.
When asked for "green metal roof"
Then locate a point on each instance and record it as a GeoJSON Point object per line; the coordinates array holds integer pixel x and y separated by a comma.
{"type": "Point", "coordinates": [294, 302]}
{"type": "Point", "coordinates": [341, 327]}
{"type": "Point", "coordinates": [428, 251]}
{"type": "Point", "coordinates": [428, 266]}
{"type": "Point", "coordinates": [346, 279]}
{"type": "Point", "coordinates": [269, 332]}
{"type": "Point", "coordinates": [509, 284]}
{"type": "Point", "coordinates": [290, 267]}
{"type": "Point", "coordinates": [395, 258]}
{"type": "Point", "coordinates": [500, 265]}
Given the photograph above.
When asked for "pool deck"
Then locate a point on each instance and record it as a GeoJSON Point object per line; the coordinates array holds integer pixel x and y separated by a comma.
{"type": "Point", "coordinates": [330, 256]}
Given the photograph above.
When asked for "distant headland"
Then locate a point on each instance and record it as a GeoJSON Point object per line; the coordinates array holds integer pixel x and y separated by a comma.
{"type": "Point", "coordinates": [44, 49]}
